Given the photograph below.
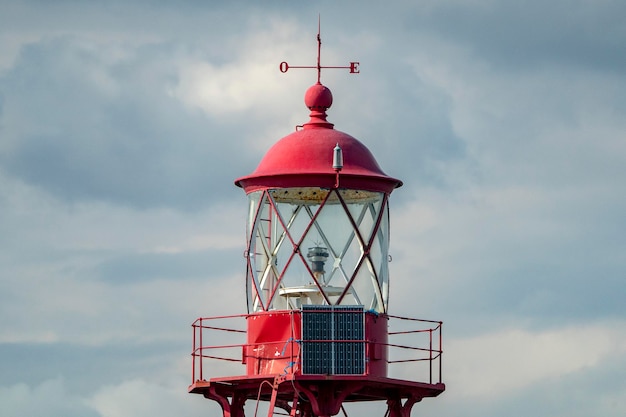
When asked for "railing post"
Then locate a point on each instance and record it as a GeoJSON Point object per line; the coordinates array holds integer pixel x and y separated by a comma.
{"type": "Point", "coordinates": [430, 352]}
{"type": "Point", "coordinates": [292, 337]}
{"type": "Point", "coordinates": [440, 350]}
{"type": "Point", "coordinates": [193, 355]}
{"type": "Point", "coordinates": [201, 353]}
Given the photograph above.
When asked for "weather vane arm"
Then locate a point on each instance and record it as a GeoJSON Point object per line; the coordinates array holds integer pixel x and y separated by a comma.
{"type": "Point", "coordinates": [353, 67]}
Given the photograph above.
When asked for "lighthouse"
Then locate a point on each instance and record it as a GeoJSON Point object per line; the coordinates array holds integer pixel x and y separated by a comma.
{"type": "Point", "coordinates": [317, 333]}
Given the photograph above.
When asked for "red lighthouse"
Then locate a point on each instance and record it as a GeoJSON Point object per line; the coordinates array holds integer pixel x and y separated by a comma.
{"type": "Point", "coordinates": [317, 333]}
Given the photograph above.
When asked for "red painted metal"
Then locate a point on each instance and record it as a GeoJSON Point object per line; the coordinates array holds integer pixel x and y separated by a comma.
{"type": "Point", "coordinates": [304, 159]}
{"type": "Point", "coordinates": [272, 347]}
{"type": "Point", "coordinates": [353, 67]}
{"type": "Point", "coordinates": [273, 344]}
{"type": "Point", "coordinates": [269, 363]}
{"type": "Point", "coordinates": [273, 339]}
{"type": "Point", "coordinates": [272, 363]}
{"type": "Point", "coordinates": [365, 241]}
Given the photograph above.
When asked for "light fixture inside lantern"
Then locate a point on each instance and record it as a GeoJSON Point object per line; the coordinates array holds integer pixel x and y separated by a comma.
{"type": "Point", "coordinates": [318, 255]}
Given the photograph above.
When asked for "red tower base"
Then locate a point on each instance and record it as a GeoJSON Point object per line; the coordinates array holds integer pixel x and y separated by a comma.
{"type": "Point", "coordinates": [314, 395]}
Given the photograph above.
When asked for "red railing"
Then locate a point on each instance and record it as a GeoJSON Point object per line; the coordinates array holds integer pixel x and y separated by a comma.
{"type": "Point", "coordinates": [201, 329]}
{"type": "Point", "coordinates": [423, 330]}
{"type": "Point", "coordinates": [411, 341]}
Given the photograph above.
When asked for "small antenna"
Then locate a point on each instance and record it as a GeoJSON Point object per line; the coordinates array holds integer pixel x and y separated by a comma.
{"type": "Point", "coordinates": [353, 67]}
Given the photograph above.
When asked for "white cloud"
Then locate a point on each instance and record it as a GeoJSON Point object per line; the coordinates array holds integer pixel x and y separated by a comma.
{"type": "Point", "coordinates": [249, 81]}
{"type": "Point", "coordinates": [59, 277]}
{"type": "Point", "coordinates": [94, 313]}
{"type": "Point", "coordinates": [50, 222]}
{"type": "Point", "coordinates": [141, 398]}
{"type": "Point", "coordinates": [48, 398]}
{"type": "Point", "coordinates": [541, 126]}
{"type": "Point", "coordinates": [497, 364]}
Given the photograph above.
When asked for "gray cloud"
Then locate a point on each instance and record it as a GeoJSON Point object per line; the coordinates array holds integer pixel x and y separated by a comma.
{"type": "Point", "coordinates": [47, 398]}
{"type": "Point", "coordinates": [77, 365]}
{"type": "Point", "coordinates": [123, 126]}
{"type": "Point", "coordinates": [206, 265]}
{"type": "Point", "coordinates": [109, 130]}
{"type": "Point", "coordinates": [520, 36]}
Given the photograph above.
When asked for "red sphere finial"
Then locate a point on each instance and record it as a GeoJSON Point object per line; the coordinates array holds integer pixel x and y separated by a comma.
{"type": "Point", "coordinates": [318, 99]}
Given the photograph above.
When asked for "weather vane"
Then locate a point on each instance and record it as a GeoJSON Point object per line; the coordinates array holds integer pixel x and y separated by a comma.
{"type": "Point", "coordinates": [353, 67]}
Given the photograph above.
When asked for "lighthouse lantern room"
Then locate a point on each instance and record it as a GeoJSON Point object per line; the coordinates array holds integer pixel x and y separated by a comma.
{"type": "Point", "coordinates": [317, 282]}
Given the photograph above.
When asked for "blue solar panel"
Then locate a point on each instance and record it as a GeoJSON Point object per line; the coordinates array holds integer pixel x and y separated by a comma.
{"type": "Point", "coordinates": [326, 335]}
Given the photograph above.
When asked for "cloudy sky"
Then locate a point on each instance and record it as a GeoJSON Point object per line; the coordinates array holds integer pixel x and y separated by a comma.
{"type": "Point", "coordinates": [123, 125]}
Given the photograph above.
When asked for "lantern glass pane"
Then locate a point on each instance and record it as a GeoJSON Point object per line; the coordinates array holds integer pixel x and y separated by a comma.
{"type": "Point", "coordinates": [309, 246]}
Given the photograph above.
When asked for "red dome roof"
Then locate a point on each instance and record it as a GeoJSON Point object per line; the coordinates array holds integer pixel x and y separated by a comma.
{"type": "Point", "coordinates": [305, 157]}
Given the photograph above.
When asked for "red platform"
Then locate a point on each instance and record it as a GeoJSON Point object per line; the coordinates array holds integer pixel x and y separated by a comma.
{"type": "Point", "coordinates": [314, 395]}
{"type": "Point", "coordinates": [274, 367]}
